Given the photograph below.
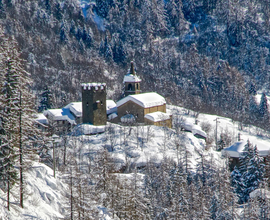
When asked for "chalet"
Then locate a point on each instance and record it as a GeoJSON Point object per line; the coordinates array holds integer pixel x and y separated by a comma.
{"type": "Point", "coordinates": [61, 120]}
{"type": "Point", "coordinates": [235, 151]}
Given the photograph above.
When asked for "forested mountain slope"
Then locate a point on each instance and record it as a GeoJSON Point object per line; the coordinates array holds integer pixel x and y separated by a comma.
{"type": "Point", "coordinates": [209, 55]}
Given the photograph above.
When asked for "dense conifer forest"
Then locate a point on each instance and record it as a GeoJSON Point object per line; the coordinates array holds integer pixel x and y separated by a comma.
{"type": "Point", "coordinates": [209, 55]}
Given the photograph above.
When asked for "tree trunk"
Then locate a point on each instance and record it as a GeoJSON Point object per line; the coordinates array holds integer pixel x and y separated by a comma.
{"type": "Point", "coordinates": [8, 191]}
{"type": "Point", "coordinates": [21, 154]}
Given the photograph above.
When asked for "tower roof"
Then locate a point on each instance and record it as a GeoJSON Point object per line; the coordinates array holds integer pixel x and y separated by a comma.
{"type": "Point", "coordinates": [95, 85]}
{"type": "Point", "coordinates": [131, 76]}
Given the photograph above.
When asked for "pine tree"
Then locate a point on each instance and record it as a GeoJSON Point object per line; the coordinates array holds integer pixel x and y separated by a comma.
{"type": "Point", "coordinates": [226, 195]}
{"type": "Point", "coordinates": [253, 110]}
{"type": "Point", "coordinates": [267, 169]}
{"type": "Point", "coordinates": [102, 8]}
{"type": "Point", "coordinates": [175, 15]}
{"type": "Point", "coordinates": [237, 184]}
{"type": "Point", "coordinates": [46, 100]}
{"type": "Point", "coordinates": [244, 160]}
{"type": "Point", "coordinates": [9, 116]}
{"type": "Point", "coordinates": [263, 111]}
{"type": "Point", "coordinates": [254, 175]}
{"type": "Point", "coordinates": [18, 112]}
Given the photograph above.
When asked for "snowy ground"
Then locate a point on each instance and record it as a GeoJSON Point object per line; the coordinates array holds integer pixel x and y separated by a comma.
{"type": "Point", "coordinates": [129, 146]}
{"type": "Point", "coordinates": [44, 196]}
{"type": "Point", "coordinates": [255, 135]}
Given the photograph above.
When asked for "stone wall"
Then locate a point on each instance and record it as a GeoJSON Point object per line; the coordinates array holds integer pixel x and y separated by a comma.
{"type": "Point", "coordinates": [94, 105]}
{"type": "Point", "coordinates": [131, 108]}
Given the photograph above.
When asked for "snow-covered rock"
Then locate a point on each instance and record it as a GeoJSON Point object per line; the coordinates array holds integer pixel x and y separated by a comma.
{"type": "Point", "coordinates": [88, 129]}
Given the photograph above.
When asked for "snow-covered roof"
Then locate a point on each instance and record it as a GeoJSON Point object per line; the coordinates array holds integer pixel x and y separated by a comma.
{"type": "Point", "coordinates": [131, 78]}
{"type": "Point", "coordinates": [187, 126]}
{"type": "Point", "coordinates": [146, 100]}
{"type": "Point", "coordinates": [197, 130]}
{"type": "Point", "coordinates": [237, 149]}
{"type": "Point", "coordinates": [60, 114]}
{"type": "Point", "coordinates": [157, 116]}
{"type": "Point", "coordinates": [41, 118]}
{"type": "Point", "coordinates": [111, 107]}
{"type": "Point", "coordinates": [75, 108]}
{"type": "Point", "coordinates": [95, 85]}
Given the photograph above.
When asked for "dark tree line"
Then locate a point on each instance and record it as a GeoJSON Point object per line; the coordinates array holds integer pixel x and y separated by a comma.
{"type": "Point", "coordinates": [209, 52]}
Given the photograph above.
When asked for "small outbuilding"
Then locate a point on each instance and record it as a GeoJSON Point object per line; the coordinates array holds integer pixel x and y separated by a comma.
{"type": "Point", "coordinates": [235, 151]}
{"type": "Point", "coordinates": [159, 119]}
{"type": "Point", "coordinates": [60, 119]}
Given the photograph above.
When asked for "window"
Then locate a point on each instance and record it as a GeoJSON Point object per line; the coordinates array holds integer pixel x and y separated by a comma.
{"type": "Point", "coordinates": [137, 86]}
{"type": "Point", "coordinates": [129, 87]}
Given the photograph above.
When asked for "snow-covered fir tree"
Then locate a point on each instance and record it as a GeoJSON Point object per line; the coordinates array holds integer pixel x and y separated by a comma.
{"type": "Point", "coordinates": [17, 113]}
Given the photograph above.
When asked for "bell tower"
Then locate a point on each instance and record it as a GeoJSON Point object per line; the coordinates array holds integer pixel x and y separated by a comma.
{"type": "Point", "coordinates": [132, 82]}
{"type": "Point", "coordinates": [94, 103]}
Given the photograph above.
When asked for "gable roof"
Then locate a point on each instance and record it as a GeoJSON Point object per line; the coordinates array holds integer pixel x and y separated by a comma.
{"type": "Point", "coordinates": [238, 148]}
{"type": "Point", "coordinates": [111, 106]}
{"type": "Point", "coordinates": [41, 118]}
{"type": "Point", "coordinates": [145, 100]}
{"type": "Point", "coordinates": [60, 114]}
{"type": "Point", "coordinates": [75, 108]}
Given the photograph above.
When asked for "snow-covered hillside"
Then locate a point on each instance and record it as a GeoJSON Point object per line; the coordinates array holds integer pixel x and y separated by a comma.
{"type": "Point", "coordinates": [234, 129]}
{"type": "Point", "coordinates": [43, 199]}
{"type": "Point", "coordinates": [129, 147]}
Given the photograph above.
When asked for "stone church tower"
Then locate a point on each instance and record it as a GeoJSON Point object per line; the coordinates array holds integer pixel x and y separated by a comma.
{"type": "Point", "coordinates": [132, 82]}
{"type": "Point", "coordinates": [94, 103]}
